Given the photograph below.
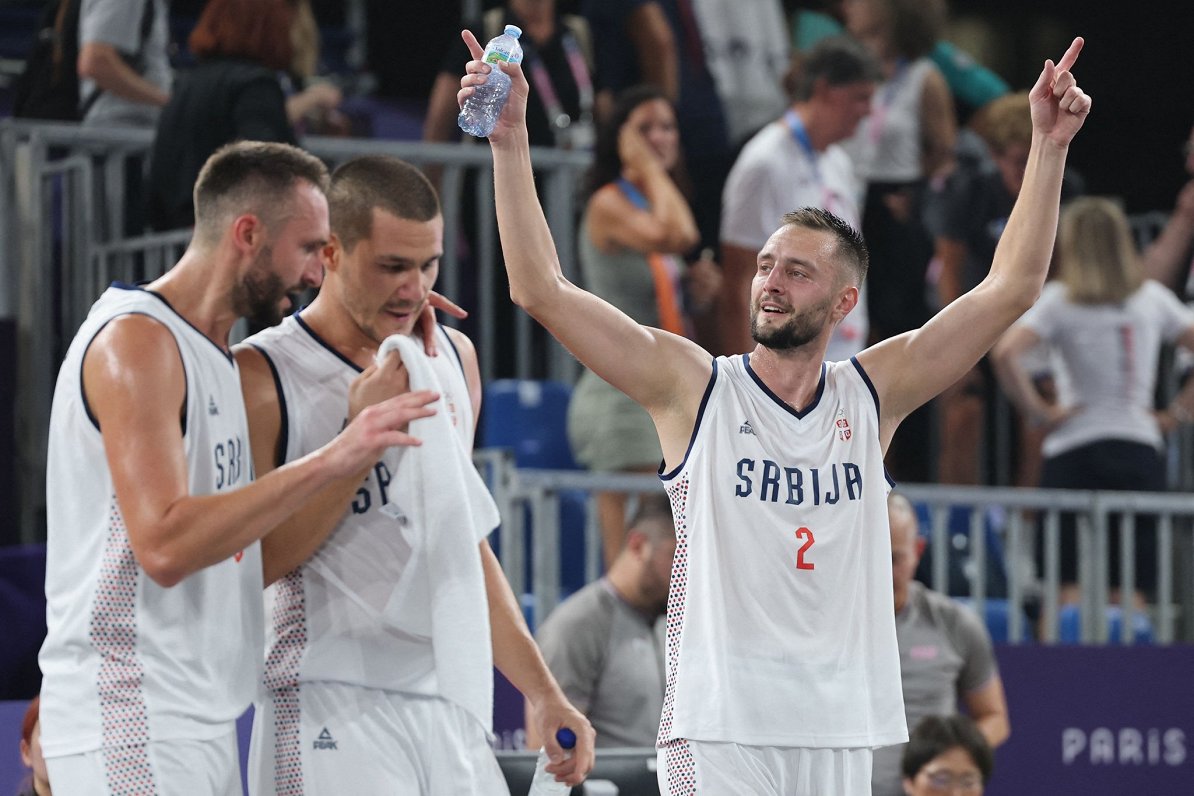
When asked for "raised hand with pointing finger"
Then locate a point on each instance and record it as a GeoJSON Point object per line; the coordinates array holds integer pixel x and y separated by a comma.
{"type": "Point", "coordinates": [1059, 105]}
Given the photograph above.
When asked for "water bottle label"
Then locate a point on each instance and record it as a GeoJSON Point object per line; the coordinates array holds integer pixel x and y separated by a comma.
{"type": "Point", "coordinates": [493, 56]}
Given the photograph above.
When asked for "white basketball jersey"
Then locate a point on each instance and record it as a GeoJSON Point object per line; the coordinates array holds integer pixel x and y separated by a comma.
{"type": "Point", "coordinates": [324, 620]}
{"type": "Point", "coordinates": [780, 623]}
{"type": "Point", "coordinates": [127, 661]}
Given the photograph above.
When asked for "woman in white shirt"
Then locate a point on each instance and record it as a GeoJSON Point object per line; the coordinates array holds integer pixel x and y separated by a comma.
{"type": "Point", "coordinates": [1107, 323]}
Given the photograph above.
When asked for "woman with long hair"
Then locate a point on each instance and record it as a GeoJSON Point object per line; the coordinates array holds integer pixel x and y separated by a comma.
{"type": "Point", "coordinates": [636, 227]}
{"type": "Point", "coordinates": [1106, 323]}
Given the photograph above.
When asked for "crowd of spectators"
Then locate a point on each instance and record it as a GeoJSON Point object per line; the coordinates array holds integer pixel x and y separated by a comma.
{"type": "Point", "coordinates": [690, 106]}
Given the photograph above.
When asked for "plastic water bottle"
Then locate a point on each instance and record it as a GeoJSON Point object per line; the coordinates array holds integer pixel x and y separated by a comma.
{"type": "Point", "coordinates": [545, 784]}
{"type": "Point", "coordinates": [481, 111]}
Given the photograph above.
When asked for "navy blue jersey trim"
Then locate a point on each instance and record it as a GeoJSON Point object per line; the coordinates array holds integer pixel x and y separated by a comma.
{"type": "Point", "coordinates": [186, 392]}
{"type": "Point", "coordinates": [283, 415]}
{"type": "Point", "coordinates": [890, 481]}
{"type": "Point", "coordinates": [867, 380]}
{"type": "Point", "coordinates": [459, 360]}
{"type": "Point", "coordinates": [696, 427]}
{"type": "Point", "coordinates": [780, 401]}
{"type": "Point", "coordinates": [314, 336]}
{"type": "Point", "coordinates": [225, 352]}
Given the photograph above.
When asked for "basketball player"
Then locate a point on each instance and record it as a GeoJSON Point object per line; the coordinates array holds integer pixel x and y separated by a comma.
{"type": "Point", "coordinates": [154, 576]}
{"type": "Point", "coordinates": [355, 694]}
{"type": "Point", "coordinates": [782, 668]}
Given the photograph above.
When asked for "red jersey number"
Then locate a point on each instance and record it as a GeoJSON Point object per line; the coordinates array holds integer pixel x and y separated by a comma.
{"type": "Point", "coordinates": [805, 536]}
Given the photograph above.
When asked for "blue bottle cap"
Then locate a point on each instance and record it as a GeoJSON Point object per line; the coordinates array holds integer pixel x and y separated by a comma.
{"type": "Point", "coordinates": [566, 737]}
{"type": "Point", "coordinates": [513, 30]}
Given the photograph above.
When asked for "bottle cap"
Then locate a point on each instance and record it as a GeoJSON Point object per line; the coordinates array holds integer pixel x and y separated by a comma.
{"type": "Point", "coordinates": [566, 737]}
{"type": "Point", "coordinates": [513, 30]}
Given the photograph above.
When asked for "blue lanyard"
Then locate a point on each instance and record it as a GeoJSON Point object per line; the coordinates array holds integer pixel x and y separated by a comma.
{"type": "Point", "coordinates": [796, 127]}
{"type": "Point", "coordinates": [633, 194]}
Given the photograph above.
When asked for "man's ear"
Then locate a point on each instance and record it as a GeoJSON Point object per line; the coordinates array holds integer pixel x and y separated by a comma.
{"type": "Point", "coordinates": [847, 300]}
{"type": "Point", "coordinates": [248, 233]}
{"type": "Point", "coordinates": [333, 250]}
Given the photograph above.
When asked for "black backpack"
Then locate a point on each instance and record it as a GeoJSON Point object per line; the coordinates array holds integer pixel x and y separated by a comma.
{"type": "Point", "coordinates": [48, 88]}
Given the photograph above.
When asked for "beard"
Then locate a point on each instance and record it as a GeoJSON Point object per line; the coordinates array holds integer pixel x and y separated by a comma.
{"type": "Point", "coordinates": [259, 297]}
{"type": "Point", "coordinates": [801, 329]}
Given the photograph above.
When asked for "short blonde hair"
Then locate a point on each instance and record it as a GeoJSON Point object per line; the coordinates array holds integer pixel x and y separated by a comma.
{"type": "Point", "coordinates": [1097, 259]}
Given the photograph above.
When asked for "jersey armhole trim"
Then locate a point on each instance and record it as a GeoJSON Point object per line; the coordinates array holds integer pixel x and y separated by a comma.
{"type": "Point", "coordinates": [696, 427]}
{"type": "Point", "coordinates": [283, 415]}
{"type": "Point", "coordinates": [186, 391]}
{"type": "Point", "coordinates": [452, 344]}
{"type": "Point", "coordinates": [875, 397]}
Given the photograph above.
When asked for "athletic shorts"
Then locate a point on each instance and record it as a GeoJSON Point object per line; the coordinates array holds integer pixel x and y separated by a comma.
{"type": "Point", "coordinates": [730, 769]}
{"type": "Point", "coordinates": [325, 738]}
{"type": "Point", "coordinates": [163, 768]}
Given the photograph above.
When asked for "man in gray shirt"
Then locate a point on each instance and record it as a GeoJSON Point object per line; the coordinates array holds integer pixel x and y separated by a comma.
{"type": "Point", "coordinates": [945, 653]}
{"type": "Point", "coordinates": [605, 644]}
{"type": "Point", "coordinates": [131, 71]}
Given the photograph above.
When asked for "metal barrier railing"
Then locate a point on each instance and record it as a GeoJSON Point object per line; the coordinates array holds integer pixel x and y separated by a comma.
{"type": "Point", "coordinates": [62, 215]}
{"type": "Point", "coordinates": [535, 494]}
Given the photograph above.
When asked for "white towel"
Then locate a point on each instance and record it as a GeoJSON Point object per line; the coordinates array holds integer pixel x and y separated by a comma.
{"type": "Point", "coordinates": [452, 509]}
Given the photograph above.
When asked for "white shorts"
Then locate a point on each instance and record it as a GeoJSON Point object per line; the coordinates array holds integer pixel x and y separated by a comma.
{"type": "Point", "coordinates": [729, 769]}
{"type": "Point", "coordinates": [336, 738]}
{"type": "Point", "coordinates": [162, 768]}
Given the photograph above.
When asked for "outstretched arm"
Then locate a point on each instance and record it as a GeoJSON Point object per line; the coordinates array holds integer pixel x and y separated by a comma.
{"type": "Point", "coordinates": [912, 368]}
{"type": "Point", "coordinates": [665, 373]}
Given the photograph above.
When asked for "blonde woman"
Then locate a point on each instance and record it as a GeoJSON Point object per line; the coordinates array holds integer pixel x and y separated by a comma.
{"type": "Point", "coordinates": [1107, 323]}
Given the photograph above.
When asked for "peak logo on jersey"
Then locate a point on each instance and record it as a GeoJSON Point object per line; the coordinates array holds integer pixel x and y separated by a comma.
{"type": "Point", "coordinates": [212, 409]}
{"type": "Point", "coordinates": [746, 428]}
{"type": "Point", "coordinates": [325, 740]}
{"type": "Point", "coordinates": [843, 426]}
{"type": "Point", "coordinates": [239, 556]}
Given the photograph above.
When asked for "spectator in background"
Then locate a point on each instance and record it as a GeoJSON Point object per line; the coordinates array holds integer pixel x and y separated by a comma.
{"type": "Point", "coordinates": [946, 754]}
{"type": "Point", "coordinates": [946, 655]}
{"type": "Point", "coordinates": [38, 783]}
{"type": "Point", "coordinates": [701, 119]}
{"type": "Point", "coordinates": [747, 49]}
{"type": "Point", "coordinates": [635, 228]}
{"type": "Point", "coordinates": [633, 43]}
{"type": "Point", "coordinates": [605, 643]}
{"type": "Point", "coordinates": [975, 202]}
{"type": "Point", "coordinates": [971, 84]}
{"type": "Point", "coordinates": [1168, 258]}
{"type": "Point", "coordinates": [312, 104]}
{"type": "Point", "coordinates": [232, 93]}
{"type": "Point", "coordinates": [124, 71]}
{"type": "Point", "coordinates": [796, 162]}
{"type": "Point", "coordinates": [557, 57]}
{"type": "Point", "coordinates": [907, 141]}
{"type": "Point", "coordinates": [1107, 323]}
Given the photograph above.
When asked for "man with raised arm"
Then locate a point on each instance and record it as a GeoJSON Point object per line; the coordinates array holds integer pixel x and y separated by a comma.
{"type": "Point", "coordinates": [153, 570]}
{"type": "Point", "coordinates": [782, 667]}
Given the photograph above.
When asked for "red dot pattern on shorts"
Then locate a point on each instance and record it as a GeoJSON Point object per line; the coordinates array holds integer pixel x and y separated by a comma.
{"type": "Point", "coordinates": [124, 721]}
{"type": "Point", "coordinates": [678, 494]}
{"type": "Point", "coordinates": [282, 680]}
{"type": "Point", "coordinates": [681, 768]}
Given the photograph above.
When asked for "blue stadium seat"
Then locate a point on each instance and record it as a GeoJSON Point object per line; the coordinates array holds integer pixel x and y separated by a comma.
{"type": "Point", "coordinates": [997, 615]}
{"type": "Point", "coordinates": [1069, 625]}
{"type": "Point", "coordinates": [531, 418]}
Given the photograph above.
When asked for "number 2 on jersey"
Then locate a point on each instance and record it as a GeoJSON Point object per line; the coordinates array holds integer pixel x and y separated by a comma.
{"type": "Point", "coordinates": [806, 536]}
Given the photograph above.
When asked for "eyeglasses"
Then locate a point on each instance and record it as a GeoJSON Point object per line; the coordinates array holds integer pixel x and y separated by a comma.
{"type": "Point", "coordinates": [947, 780]}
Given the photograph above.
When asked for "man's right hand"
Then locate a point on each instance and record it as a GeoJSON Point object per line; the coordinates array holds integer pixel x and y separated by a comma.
{"type": "Point", "coordinates": [379, 381]}
{"type": "Point", "coordinates": [514, 114]}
